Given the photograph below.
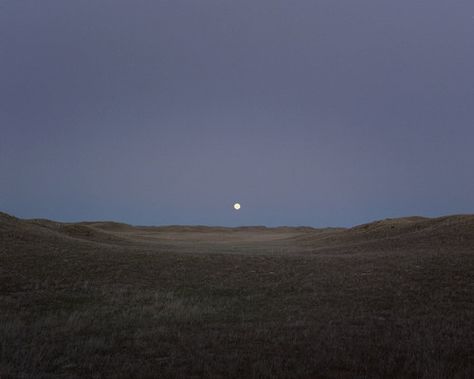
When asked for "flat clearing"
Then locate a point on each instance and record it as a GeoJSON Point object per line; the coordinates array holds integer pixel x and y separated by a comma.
{"type": "Point", "coordinates": [391, 299]}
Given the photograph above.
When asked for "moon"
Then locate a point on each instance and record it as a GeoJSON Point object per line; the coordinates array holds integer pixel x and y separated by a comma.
{"type": "Point", "coordinates": [236, 206]}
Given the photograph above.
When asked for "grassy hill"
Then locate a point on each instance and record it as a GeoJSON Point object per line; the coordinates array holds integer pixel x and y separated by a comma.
{"type": "Point", "coordinates": [393, 298]}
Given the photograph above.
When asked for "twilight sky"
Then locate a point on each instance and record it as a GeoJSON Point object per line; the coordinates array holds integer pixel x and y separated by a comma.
{"type": "Point", "coordinates": [307, 112]}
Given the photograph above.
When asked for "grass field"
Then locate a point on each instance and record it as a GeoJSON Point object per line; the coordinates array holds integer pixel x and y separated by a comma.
{"type": "Point", "coordinates": [390, 299]}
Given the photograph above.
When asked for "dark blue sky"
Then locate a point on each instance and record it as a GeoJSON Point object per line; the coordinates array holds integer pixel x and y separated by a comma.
{"type": "Point", "coordinates": [308, 112]}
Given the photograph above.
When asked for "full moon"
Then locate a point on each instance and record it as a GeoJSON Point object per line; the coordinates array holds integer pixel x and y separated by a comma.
{"type": "Point", "coordinates": [236, 206]}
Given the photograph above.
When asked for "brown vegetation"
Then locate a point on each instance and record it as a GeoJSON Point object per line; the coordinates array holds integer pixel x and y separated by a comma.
{"type": "Point", "coordinates": [392, 299]}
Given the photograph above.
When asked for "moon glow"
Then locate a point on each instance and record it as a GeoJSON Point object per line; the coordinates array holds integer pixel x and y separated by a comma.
{"type": "Point", "coordinates": [236, 206]}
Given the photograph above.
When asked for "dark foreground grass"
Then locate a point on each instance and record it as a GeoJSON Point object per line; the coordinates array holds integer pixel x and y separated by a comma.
{"type": "Point", "coordinates": [77, 310]}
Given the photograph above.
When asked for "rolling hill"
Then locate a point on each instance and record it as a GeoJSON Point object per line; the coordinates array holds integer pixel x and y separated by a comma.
{"type": "Point", "coordinates": [393, 298]}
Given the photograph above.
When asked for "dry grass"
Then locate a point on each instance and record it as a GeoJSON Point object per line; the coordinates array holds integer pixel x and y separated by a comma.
{"type": "Point", "coordinates": [392, 299]}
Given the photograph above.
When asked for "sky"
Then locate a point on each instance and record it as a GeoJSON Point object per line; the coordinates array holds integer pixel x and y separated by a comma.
{"type": "Point", "coordinates": [307, 112]}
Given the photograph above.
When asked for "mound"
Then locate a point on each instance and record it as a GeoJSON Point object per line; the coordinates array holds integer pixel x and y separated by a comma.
{"type": "Point", "coordinates": [108, 225]}
{"type": "Point", "coordinates": [6, 218]}
{"type": "Point", "coordinates": [410, 232]}
{"type": "Point", "coordinates": [390, 223]}
{"type": "Point", "coordinates": [89, 233]}
{"type": "Point", "coordinates": [16, 230]}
